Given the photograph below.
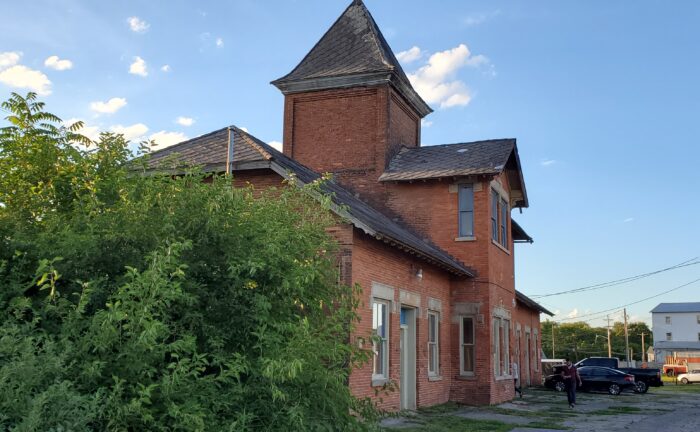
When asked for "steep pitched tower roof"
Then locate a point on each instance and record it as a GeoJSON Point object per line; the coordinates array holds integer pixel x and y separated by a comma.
{"type": "Point", "coordinates": [352, 53]}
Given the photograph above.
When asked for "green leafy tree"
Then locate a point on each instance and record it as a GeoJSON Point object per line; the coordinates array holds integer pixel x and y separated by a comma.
{"type": "Point", "coordinates": [147, 302]}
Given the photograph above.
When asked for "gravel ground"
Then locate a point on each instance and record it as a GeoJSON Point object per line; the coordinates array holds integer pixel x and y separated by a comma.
{"type": "Point", "coordinates": [660, 410]}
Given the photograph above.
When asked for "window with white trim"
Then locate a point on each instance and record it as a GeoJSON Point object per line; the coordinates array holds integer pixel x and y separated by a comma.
{"type": "Point", "coordinates": [380, 331]}
{"type": "Point", "coordinates": [669, 336]}
{"type": "Point", "coordinates": [499, 219]}
{"type": "Point", "coordinates": [433, 343]}
{"type": "Point", "coordinates": [668, 320]}
{"type": "Point", "coordinates": [466, 210]}
{"type": "Point", "coordinates": [466, 351]}
{"type": "Point", "coordinates": [501, 346]}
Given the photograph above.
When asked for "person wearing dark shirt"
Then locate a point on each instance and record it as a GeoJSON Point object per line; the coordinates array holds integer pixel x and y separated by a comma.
{"type": "Point", "coordinates": [571, 378]}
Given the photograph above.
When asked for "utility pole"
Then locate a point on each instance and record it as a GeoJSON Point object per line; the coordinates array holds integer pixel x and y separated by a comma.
{"type": "Point", "coordinates": [643, 350]}
{"type": "Point", "coordinates": [609, 343]}
{"type": "Point", "coordinates": [627, 339]}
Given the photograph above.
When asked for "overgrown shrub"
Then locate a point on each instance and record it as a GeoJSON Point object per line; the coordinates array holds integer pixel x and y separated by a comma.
{"type": "Point", "coordinates": [145, 302]}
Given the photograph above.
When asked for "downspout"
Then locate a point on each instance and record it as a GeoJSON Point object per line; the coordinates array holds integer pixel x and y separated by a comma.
{"type": "Point", "coordinates": [229, 153]}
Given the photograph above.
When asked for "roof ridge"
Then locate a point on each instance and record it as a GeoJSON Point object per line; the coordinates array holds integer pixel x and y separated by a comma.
{"type": "Point", "coordinates": [254, 142]}
{"type": "Point", "coordinates": [464, 142]}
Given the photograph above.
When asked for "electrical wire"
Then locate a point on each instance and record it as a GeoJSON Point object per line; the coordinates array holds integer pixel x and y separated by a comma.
{"type": "Point", "coordinates": [617, 308]}
{"type": "Point", "coordinates": [690, 262]}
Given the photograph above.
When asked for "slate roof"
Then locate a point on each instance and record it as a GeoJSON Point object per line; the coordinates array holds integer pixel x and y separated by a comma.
{"type": "Point", "coordinates": [527, 301]}
{"type": "Point", "coordinates": [352, 52]}
{"type": "Point", "coordinates": [210, 151]}
{"type": "Point", "coordinates": [677, 307]}
{"type": "Point", "coordinates": [449, 160]}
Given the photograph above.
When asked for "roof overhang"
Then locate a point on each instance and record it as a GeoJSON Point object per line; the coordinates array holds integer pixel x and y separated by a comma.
{"type": "Point", "coordinates": [530, 303]}
{"type": "Point", "coordinates": [518, 233]}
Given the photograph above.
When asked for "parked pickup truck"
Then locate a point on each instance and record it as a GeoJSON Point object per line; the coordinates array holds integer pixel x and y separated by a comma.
{"type": "Point", "coordinates": [643, 377]}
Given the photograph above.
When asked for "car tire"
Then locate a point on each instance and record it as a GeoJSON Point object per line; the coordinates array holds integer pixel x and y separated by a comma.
{"type": "Point", "coordinates": [685, 381]}
{"type": "Point", "coordinates": [559, 386]}
{"type": "Point", "coordinates": [614, 389]}
{"type": "Point", "coordinates": [640, 387]}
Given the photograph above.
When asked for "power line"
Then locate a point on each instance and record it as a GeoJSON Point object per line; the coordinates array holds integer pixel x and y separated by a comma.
{"type": "Point", "coordinates": [690, 262]}
{"type": "Point", "coordinates": [617, 308]}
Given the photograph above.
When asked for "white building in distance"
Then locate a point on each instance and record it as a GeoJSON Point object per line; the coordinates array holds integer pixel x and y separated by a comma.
{"type": "Point", "coordinates": [676, 330]}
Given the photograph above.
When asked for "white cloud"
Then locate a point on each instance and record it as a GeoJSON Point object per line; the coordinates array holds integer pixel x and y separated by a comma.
{"type": "Point", "coordinates": [54, 62]}
{"type": "Point", "coordinates": [166, 139]}
{"type": "Point", "coordinates": [548, 162]}
{"type": "Point", "coordinates": [475, 19]}
{"type": "Point", "coordinates": [135, 132]}
{"type": "Point", "coordinates": [137, 25]}
{"type": "Point", "coordinates": [165, 68]}
{"type": "Point", "coordinates": [426, 123]}
{"type": "Point", "coordinates": [9, 58]}
{"type": "Point", "coordinates": [219, 42]}
{"type": "Point", "coordinates": [184, 121]}
{"type": "Point", "coordinates": [244, 129]}
{"type": "Point", "coordinates": [410, 55]}
{"type": "Point", "coordinates": [276, 145]}
{"type": "Point", "coordinates": [20, 76]}
{"type": "Point", "coordinates": [573, 313]}
{"type": "Point", "coordinates": [110, 107]}
{"type": "Point", "coordinates": [435, 81]}
{"type": "Point", "coordinates": [138, 67]}
{"type": "Point", "coordinates": [628, 220]}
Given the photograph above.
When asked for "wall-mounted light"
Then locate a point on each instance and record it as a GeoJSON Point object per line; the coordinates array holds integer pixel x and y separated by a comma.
{"type": "Point", "coordinates": [419, 273]}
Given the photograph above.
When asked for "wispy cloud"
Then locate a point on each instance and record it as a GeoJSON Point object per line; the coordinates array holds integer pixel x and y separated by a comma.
{"type": "Point", "coordinates": [276, 145]}
{"type": "Point", "coordinates": [547, 162]}
{"type": "Point", "coordinates": [165, 68]}
{"type": "Point", "coordinates": [573, 313]}
{"type": "Point", "coordinates": [426, 123]}
{"type": "Point", "coordinates": [628, 220]}
{"type": "Point", "coordinates": [409, 55]}
{"type": "Point", "coordinates": [436, 82]}
{"type": "Point", "coordinates": [135, 132]}
{"type": "Point", "coordinates": [56, 63]}
{"type": "Point", "coordinates": [219, 42]}
{"type": "Point", "coordinates": [9, 58]}
{"type": "Point", "coordinates": [184, 121]}
{"type": "Point", "coordinates": [110, 107]}
{"type": "Point", "coordinates": [138, 67]}
{"type": "Point", "coordinates": [166, 139]}
{"type": "Point", "coordinates": [137, 25]}
{"type": "Point", "coordinates": [479, 18]}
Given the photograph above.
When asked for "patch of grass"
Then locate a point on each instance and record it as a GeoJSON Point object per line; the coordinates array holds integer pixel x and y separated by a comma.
{"type": "Point", "coordinates": [615, 410]}
{"type": "Point", "coordinates": [454, 424]}
{"type": "Point", "coordinates": [545, 425]}
{"type": "Point", "coordinates": [439, 409]}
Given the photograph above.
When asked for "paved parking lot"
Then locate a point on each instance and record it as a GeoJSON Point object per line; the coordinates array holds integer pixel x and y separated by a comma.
{"type": "Point", "coordinates": [671, 408]}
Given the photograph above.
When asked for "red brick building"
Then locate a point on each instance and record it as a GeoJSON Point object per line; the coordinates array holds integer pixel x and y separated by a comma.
{"type": "Point", "coordinates": [428, 232]}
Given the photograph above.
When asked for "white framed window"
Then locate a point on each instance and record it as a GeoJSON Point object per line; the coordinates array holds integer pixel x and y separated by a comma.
{"type": "Point", "coordinates": [499, 219]}
{"type": "Point", "coordinates": [501, 345]}
{"type": "Point", "coordinates": [433, 343]}
{"type": "Point", "coordinates": [466, 341]}
{"type": "Point", "coordinates": [669, 336]}
{"type": "Point", "coordinates": [380, 331]}
{"type": "Point", "coordinates": [466, 210]}
{"type": "Point", "coordinates": [503, 240]}
{"type": "Point", "coordinates": [668, 320]}
{"type": "Point", "coordinates": [494, 215]}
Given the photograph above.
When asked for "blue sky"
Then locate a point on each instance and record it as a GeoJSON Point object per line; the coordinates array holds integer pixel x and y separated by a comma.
{"type": "Point", "coordinates": [603, 98]}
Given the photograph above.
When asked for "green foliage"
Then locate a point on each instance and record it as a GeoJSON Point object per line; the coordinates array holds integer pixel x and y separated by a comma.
{"type": "Point", "coordinates": [578, 340]}
{"type": "Point", "coordinates": [131, 301]}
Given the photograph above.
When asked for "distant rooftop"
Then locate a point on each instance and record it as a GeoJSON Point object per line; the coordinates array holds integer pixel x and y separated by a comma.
{"type": "Point", "coordinates": [677, 307]}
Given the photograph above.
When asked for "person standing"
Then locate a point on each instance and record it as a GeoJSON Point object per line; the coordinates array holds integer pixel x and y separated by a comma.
{"type": "Point", "coordinates": [516, 379]}
{"type": "Point", "coordinates": [571, 378]}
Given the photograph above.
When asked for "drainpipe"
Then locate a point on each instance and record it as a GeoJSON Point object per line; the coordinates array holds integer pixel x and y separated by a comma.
{"type": "Point", "coordinates": [229, 153]}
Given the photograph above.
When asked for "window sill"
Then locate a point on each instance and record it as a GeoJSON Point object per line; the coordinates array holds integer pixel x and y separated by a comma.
{"type": "Point", "coordinates": [379, 382]}
{"type": "Point", "coordinates": [504, 377]}
{"type": "Point", "coordinates": [465, 239]}
{"type": "Point", "coordinates": [434, 378]}
{"type": "Point", "coordinates": [498, 245]}
{"type": "Point", "coordinates": [465, 377]}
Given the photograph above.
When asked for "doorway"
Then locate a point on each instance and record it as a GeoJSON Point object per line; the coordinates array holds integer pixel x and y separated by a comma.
{"type": "Point", "coordinates": [526, 370]}
{"type": "Point", "coordinates": [408, 358]}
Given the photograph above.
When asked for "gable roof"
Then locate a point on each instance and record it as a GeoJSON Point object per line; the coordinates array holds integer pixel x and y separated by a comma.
{"type": "Point", "coordinates": [489, 157]}
{"type": "Point", "coordinates": [353, 52]}
{"type": "Point", "coordinates": [677, 307]}
{"type": "Point", "coordinates": [210, 151]}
